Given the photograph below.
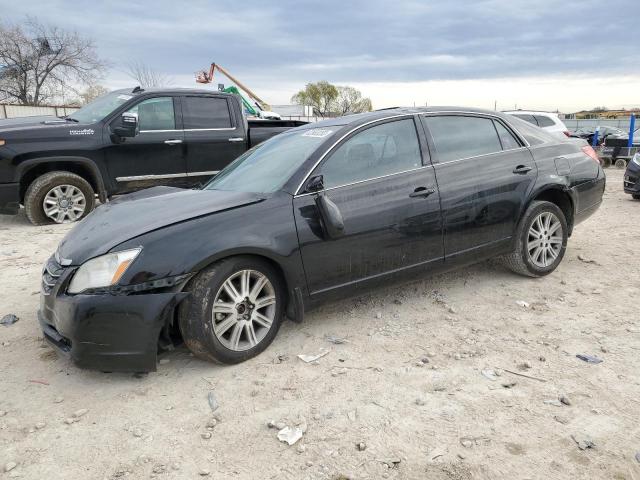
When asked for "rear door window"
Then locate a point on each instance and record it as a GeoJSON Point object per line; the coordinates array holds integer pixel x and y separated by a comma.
{"type": "Point", "coordinates": [507, 139]}
{"type": "Point", "coordinates": [544, 121]}
{"type": "Point", "coordinates": [206, 113]}
{"type": "Point", "coordinates": [457, 137]}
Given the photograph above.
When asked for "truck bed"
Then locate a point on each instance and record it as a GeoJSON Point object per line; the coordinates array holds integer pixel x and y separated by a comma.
{"type": "Point", "coordinates": [261, 130]}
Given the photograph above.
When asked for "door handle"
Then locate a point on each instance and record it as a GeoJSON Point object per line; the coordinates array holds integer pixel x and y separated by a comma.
{"type": "Point", "coordinates": [236, 139]}
{"type": "Point", "coordinates": [173, 142]}
{"type": "Point", "coordinates": [522, 169]}
{"type": "Point", "coordinates": [422, 192]}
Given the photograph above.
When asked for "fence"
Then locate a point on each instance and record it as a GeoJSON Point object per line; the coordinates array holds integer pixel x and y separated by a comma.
{"type": "Point", "coordinates": [303, 118]}
{"type": "Point", "coordinates": [621, 123]}
{"type": "Point", "coordinates": [13, 111]}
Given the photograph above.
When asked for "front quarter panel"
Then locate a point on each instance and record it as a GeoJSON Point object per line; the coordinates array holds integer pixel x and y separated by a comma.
{"type": "Point", "coordinates": [266, 228]}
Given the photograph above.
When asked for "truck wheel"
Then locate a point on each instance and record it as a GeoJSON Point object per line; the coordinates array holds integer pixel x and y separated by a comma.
{"type": "Point", "coordinates": [605, 162]}
{"type": "Point", "coordinates": [234, 310]}
{"type": "Point", "coordinates": [620, 163]}
{"type": "Point", "coordinates": [58, 197]}
{"type": "Point", "coordinates": [541, 240]}
{"type": "Point", "coordinates": [635, 196]}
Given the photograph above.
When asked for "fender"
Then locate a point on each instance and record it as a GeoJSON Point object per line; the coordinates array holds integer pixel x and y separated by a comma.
{"type": "Point", "coordinates": [23, 167]}
{"type": "Point", "coordinates": [290, 266]}
{"type": "Point", "coordinates": [562, 188]}
{"type": "Point", "coordinates": [559, 187]}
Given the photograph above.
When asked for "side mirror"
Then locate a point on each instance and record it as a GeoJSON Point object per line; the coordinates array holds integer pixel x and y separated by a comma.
{"type": "Point", "coordinates": [128, 127]}
{"type": "Point", "coordinates": [315, 184]}
{"type": "Point", "coordinates": [331, 217]}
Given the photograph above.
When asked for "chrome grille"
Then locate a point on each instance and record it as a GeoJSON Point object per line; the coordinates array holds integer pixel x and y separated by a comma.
{"type": "Point", "coordinates": [50, 275]}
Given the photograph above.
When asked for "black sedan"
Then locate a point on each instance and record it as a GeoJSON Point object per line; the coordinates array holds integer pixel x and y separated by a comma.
{"type": "Point", "coordinates": [321, 211]}
{"type": "Point", "coordinates": [632, 177]}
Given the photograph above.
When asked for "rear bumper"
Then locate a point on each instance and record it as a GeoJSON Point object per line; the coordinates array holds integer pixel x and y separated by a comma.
{"type": "Point", "coordinates": [115, 333]}
{"type": "Point", "coordinates": [588, 196]}
{"type": "Point", "coordinates": [9, 198]}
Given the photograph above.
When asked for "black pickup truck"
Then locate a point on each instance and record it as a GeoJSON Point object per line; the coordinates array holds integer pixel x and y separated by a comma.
{"type": "Point", "coordinates": [124, 141]}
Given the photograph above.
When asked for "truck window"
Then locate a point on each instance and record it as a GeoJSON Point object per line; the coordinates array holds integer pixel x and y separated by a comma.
{"type": "Point", "coordinates": [155, 114]}
{"type": "Point", "coordinates": [206, 113]}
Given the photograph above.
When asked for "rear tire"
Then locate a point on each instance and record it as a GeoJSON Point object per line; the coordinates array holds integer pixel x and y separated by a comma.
{"type": "Point", "coordinates": [605, 162]}
{"type": "Point", "coordinates": [635, 196]}
{"type": "Point", "coordinates": [75, 194]}
{"type": "Point", "coordinates": [541, 241]}
{"type": "Point", "coordinates": [222, 320]}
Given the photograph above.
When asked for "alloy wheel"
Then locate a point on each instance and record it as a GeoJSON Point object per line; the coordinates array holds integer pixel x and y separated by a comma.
{"type": "Point", "coordinates": [544, 240]}
{"type": "Point", "coordinates": [244, 310]}
{"type": "Point", "coordinates": [64, 204]}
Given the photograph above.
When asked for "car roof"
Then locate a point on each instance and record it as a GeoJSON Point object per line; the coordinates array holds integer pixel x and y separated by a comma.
{"type": "Point", "coordinates": [530, 112]}
{"type": "Point", "coordinates": [391, 112]}
{"type": "Point", "coordinates": [170, 91]}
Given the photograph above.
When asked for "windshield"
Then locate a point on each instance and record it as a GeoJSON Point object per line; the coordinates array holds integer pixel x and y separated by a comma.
{"type": "Point", "coordinates": [100, 107]}
{"type": "Point", "coordinates": [267, 167]}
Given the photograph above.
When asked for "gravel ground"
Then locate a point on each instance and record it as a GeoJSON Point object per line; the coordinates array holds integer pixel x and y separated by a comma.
{"type": "Point", "coordinates": [451, 377]}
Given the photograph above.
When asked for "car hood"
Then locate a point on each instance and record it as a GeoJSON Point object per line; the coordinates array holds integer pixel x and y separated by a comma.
{"type": "Point", "coordinates": [48, 127]}
{"type": "Point", "coordinates": [133, 215]}
{"type": "Point", "coordinates": [8, 124]}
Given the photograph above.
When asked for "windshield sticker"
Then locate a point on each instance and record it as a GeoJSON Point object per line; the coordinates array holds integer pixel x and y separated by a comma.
{"type": "Point", "coordinates": [84, 131]}
{"type": "Point", "coordinates": [125, 97]}
{"type": "Point", "coordinates": [317, 132]}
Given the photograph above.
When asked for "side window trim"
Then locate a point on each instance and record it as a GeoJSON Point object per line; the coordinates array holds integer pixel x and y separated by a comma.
{"type": "Point", "coordinates": [362, 128]}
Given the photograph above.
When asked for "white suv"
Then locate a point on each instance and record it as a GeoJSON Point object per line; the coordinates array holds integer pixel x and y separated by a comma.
{"type": "Point", "coordinates": [545, 120]}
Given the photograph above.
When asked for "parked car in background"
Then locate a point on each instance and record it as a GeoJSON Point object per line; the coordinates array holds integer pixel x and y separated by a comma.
{"type": "Point", "coordinates": [322, 211]}
{"type": "Point", "coordinates": [124, 141]}
{"type": "Point", "coordinates": [632, 177]}
{"type": "Point", "coordinates": [616, 148]}
{"type": "Point", "coordinates": [588, 133]}
{"type": "Point", "coordinates": [545, 120]}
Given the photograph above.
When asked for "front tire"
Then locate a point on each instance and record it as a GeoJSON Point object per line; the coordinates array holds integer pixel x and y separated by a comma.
{"type": "Point", "coordinates": [635, 196]}
{"type": "Point", "coordinates": [58, 197]}
{"type": "Point", "coordinates": [234, 311]}
{"type": "Point", "coordinates": [541, 241]}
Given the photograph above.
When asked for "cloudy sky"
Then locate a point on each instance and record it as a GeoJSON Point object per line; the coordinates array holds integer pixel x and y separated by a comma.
{"type": "Point", "coordinates": [543, 54]}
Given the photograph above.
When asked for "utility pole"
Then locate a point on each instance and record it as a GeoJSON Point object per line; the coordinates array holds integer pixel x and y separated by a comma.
{"type": "Point", "coordinates": [495, 105]}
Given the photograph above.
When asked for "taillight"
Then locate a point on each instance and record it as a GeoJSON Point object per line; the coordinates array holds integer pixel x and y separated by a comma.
{"type": "Point", "coordinates": [568, 134]}
{"type": "Point", "coordinates": [588, 150]}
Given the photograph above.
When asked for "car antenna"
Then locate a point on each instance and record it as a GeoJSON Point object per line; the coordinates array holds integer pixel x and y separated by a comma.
{"type": "Point", "coordinates": [138, 89]}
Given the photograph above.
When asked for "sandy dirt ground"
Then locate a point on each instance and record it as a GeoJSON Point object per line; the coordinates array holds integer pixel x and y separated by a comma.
{"type": "Point", "coordinates": [405, 397]}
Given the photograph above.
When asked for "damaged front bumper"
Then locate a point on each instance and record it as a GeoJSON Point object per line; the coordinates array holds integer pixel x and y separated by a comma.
{"type": "Point", "coordinates": [108, 332]}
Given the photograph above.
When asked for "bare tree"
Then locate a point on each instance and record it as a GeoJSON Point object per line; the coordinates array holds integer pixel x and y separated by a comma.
{"type": "Point", "coordinates": [91, 93]}
{"type": "Point", "coordinates": [40, 61]}
{"type": "Point", "coordinates": [147, 76]}
{"type": "Point", "coordinates": [350, 100]}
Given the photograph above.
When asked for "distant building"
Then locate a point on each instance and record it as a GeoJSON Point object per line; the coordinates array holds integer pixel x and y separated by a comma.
{"type": "Point", "coordinates": [293, 110]}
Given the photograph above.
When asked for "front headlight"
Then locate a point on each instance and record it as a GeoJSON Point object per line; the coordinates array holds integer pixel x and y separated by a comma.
{"type": "Point", "coordinates": [102, 271]}
{"type": "Point", "coordinates": [636, 159]}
